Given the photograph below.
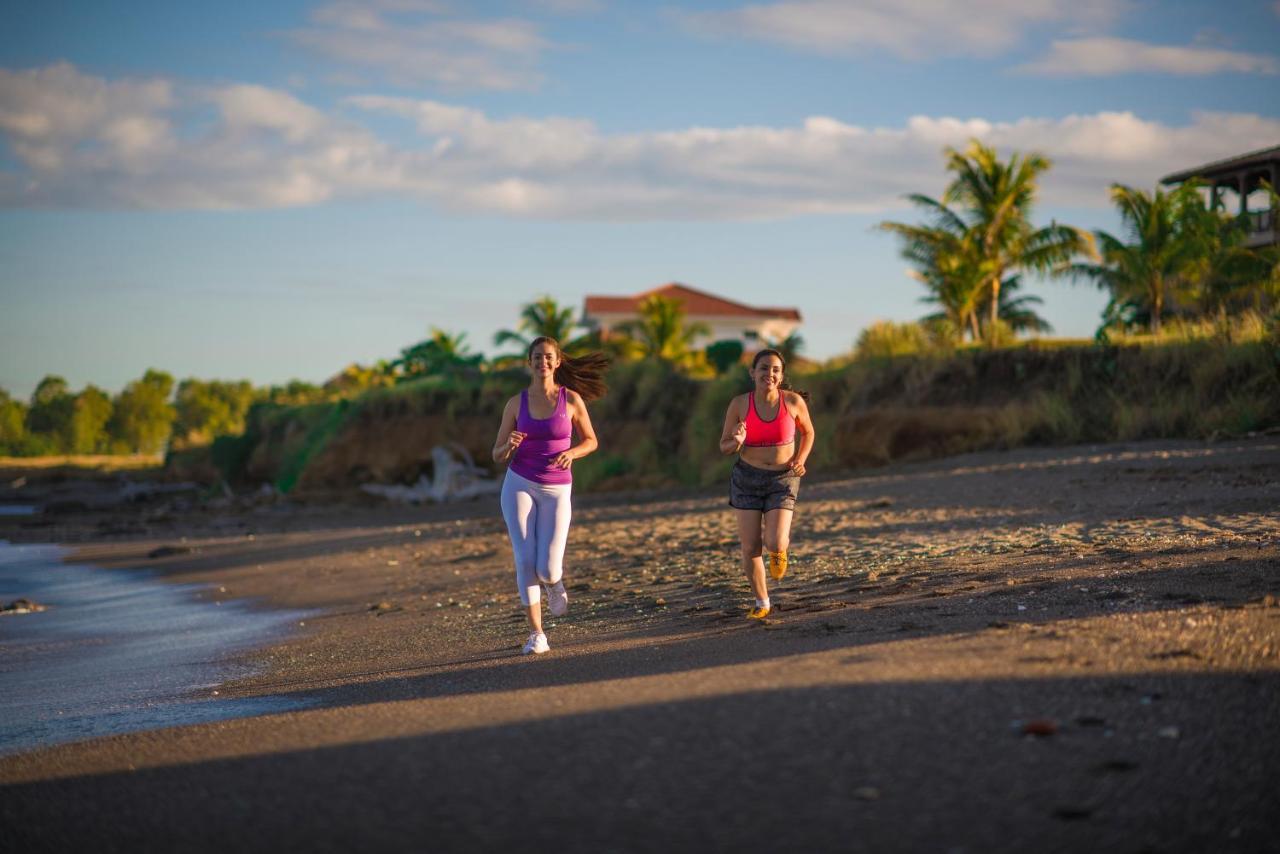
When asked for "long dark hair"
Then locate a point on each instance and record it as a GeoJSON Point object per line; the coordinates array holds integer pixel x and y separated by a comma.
{"type": "Point", "coordinates": [584, 374]}
{"type": "Point", "coordinates": [786, 383]}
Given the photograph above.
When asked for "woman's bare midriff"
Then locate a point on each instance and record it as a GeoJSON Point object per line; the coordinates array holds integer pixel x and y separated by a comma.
{"type": "Point", "coordinates": [774, 458]}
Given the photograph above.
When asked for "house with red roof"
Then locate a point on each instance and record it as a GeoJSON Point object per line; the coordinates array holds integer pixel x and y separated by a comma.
{"type": "Point", "coordinates": [727, 319]}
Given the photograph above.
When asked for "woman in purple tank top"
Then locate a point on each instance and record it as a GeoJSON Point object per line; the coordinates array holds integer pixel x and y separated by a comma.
{"type": "Point", "coordinates": [536, 440]}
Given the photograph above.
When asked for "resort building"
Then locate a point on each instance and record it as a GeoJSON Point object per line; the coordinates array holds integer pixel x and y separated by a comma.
{"type": "Point", "coordinates": [753, 326]}
{"type": "Point", "coordinates": [1237, 184]}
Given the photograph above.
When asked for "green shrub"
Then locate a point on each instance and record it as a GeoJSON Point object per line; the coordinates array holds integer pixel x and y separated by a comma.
{"type": "Point", "coordinates": [885, 339]}
{"type": "Point", "coordinates": [659, 426]}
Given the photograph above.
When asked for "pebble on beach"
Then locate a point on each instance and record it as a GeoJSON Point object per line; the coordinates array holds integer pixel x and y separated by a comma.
{"type": "Point", "coordinates": [20, 606]}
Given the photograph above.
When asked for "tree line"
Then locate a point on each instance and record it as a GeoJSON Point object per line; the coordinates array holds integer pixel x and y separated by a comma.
{"type": "Point", "coordinates": [1180, 254]}
{"type": "Point", "coordinates": [141, 418]}
{"type": "Point", "coordinates": [660, 331]}
{"type": "Point", "coordinates": [154, 412]}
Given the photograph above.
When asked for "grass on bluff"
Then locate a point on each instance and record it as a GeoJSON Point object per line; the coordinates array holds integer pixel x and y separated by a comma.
{"type": "Point", "coordinates": [81, 464]}
{"type": "Point", "coordinates": [660, 427]}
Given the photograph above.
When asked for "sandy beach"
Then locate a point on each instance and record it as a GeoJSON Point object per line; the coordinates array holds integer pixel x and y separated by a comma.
{"type": "Point", "coordinates": [1043, 649]}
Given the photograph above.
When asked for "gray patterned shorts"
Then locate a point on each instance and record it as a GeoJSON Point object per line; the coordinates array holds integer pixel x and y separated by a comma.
{"type": "Point", "coordinates": [752, 488]}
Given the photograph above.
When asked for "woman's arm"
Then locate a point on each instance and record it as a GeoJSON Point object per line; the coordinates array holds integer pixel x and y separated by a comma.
{"type": "Point", "coordinates": [508, 437]}
{"type": "Point", "coordinates": [804, 425]}
{"type": "Point", "coordinates": [586, 433]}
{"type": "Point", "coordinates": [735, 429]}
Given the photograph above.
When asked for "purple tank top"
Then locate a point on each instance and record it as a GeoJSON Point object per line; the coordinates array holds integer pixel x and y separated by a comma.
{"type": "Point", "coordinates": [544, 440]}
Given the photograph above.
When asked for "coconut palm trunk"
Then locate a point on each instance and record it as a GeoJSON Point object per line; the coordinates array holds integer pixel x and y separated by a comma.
{"type": "Point", "coordinates": [995, 301]}
{"type": "Point", "coordinates": [1157, 303]}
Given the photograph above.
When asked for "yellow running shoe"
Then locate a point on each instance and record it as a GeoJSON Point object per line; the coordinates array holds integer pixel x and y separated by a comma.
{"type": "Point", "coordinates": [777, 564]}
{"type": "Point", "coordinates": [757, 613]}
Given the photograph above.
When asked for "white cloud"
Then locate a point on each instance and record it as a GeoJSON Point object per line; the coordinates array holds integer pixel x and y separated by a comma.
{"type": "Point", "coordinates": [88, 142]}
{"type": "Point", "coordinates": [1096, 57]}
{"type": "Point", "coordinates": [47, 113]}
{"type": "Point", "coordinates": [913, 29]}
{"type": "Point", "coordinates": [413, 42]}
{"type": "Point", "coordinates": [84, 141]}
{"type": "Point", "coordinates": [562, 168]}
{"type": "Point", "coordinates": [247, 108]}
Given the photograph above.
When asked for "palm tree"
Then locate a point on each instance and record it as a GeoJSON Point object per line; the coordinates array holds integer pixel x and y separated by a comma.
{"type": "Point", "coordinates": [544, 317]}
{"type": "Point", "coordinates": [789, 347]}
{"type": "Point", "coordinates": [441, 352]}
{"type": "Point", "coordinates": [1165, 245]}
{"type": "Point", "coordinates": [1229, 275]}
{"type": "Point", "coordinates": [662, 332]}
{"type": "Point", "coordinates": [946, 262]}
{"type": "Point", "coordinates": [996, 198]}
{"type": "Point", "coordinates": [1016, 311]}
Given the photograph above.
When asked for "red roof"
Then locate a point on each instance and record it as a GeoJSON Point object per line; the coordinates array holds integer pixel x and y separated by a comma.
{"type": "Point", "coordinates": [696, 302]}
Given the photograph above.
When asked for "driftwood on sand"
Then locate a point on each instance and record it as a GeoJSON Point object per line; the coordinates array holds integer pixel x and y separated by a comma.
{"type": "Point", "coordinates": [454, 477]}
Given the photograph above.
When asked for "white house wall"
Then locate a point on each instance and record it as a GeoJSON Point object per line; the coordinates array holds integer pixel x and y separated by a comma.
{"type": "Point", "coordinates": [722, 328]}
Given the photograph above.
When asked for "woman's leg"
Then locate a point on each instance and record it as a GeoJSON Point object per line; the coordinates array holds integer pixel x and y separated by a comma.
{"type": "Point", "coordinates": [554, 510]}
{"type": "Point", "coordinates": [520, 513]}
{"type": "Point", "coordinates": [752, 563]}
{"type": "Point", "coordinates": [777, 532]}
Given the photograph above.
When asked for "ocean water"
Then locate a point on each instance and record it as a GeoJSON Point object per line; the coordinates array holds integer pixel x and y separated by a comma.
{"type": "Point", "coordinates": [117, 651]}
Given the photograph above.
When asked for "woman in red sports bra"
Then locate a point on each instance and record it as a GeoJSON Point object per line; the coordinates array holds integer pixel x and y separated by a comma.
{"type": "Point", "coordinates": [761, 427]}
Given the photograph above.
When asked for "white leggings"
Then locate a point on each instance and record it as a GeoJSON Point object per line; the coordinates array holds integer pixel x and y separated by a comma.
{"type": "Point", "coordinates": [537, 516]}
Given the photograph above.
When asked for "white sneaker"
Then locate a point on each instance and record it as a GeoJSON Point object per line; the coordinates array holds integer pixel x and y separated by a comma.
{"type": "Point", "coordinates": [557, 599]}
{"type": "Point", "coordinates": [536, 644]}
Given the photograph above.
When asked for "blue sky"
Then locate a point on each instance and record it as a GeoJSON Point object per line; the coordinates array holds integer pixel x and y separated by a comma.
{"type": "Point", "coordinates": [276, 190]}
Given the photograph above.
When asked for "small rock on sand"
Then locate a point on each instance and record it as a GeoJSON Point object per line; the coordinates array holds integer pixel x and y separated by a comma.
{"type": "Point", "coordinates": [1041, 727]}
{"type": "Point", "coordinates": [21, 606]}
{"type": "Point", "coordinates": [169, 551]}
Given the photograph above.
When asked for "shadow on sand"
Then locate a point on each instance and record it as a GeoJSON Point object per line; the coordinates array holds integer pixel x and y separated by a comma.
{"type": "Point", "coordinates": [909, 766]}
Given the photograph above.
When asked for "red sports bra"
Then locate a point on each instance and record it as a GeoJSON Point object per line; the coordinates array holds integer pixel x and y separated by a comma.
{"type": "Point", "coordinates": [781, 430]}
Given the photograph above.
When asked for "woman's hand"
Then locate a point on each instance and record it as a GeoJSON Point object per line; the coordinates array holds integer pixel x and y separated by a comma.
{"type": "Point", "coordinates": [514, 438]}
{"type": "Point", "coordinates": [797, 467]}
{"type": "Point", "coordinates": [733, 435]}
{"type": "Point", "coordinates": [563, 460]}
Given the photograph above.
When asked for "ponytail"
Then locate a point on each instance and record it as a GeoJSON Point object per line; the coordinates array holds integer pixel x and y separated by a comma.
{"type": "Point", "coordinates": [583, 374]}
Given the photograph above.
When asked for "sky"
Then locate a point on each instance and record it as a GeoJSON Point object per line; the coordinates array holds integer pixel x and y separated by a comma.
{"type": "Point", "coordinates": [276, 190]}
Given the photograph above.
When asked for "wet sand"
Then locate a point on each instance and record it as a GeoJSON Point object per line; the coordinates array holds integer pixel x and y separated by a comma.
{"type": "Point", "coordinates": [1033, 650]}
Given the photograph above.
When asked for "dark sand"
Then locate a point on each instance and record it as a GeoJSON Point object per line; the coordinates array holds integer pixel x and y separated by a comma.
{"type": "Point", "coordinates": [1122, 600]}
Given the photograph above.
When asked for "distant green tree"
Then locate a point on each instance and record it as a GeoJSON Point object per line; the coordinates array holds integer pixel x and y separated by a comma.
{"type": "Point", "coordinates": [544, 317]}
{"type": "Point", "coordinates": [789, 347]}
{"type": "Point", "coordinates": [724, 355]}
{"type": "Point", "coordinates": [208, 409]}
{"type": "Point", "coordinates": [947, 261]}
{"type": "Point", "coordinates": [997, 197]}
{"type": "Point", "coordinates": [52, 407]}
{"type": "Point", "coordinates": [886, 339]}
{"type": "Point", "coordinates": [1016, 312]}
{"type": "Point", "coordinates": [1159, 258]}
{"type": "Point", "coordinates": [661, 331]}
{"type": "Point", "coordinates": [13, 428]}
{"type": "Point", "coordinates": [142, 417]}
{"type": "Point", "coordinates": [1229, 276]}
{"type": "Point", "coordinates": [981, 235]}
{"type": "Point", "coordinates": [292, 393]}
{"type": "Point", "coordinates": [443, 352]}
{"type": "Point", "coordinates": [354, 378]}
{"type": "Point", "coordinates": [91, 412]}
